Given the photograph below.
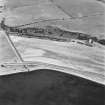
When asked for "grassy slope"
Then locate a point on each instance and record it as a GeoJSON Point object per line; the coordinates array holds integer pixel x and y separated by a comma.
{"type": "Point", "coordinates": [45, 87]}
{"type": "Point", "coordinates": [43, 8]}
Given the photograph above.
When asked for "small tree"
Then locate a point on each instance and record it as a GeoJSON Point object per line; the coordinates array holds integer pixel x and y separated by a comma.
{"type": "Point", "coordinates": [102, 41]}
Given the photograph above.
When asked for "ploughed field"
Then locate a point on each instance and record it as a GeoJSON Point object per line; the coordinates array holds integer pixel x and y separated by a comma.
{"type": "Point", "coordinates": [49, 87]}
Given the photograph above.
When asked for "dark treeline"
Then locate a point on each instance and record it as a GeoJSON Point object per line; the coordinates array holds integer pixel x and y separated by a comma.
{"type": "Point", "coordinates": [49, 32]}
{"type": "Point", "coordinates": [101, 41]}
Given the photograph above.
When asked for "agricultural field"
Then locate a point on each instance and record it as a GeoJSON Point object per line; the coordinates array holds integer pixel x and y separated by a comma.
{"type": "Point", "coordinates": [73, 65]}
{"type": "Point", "coordinates": [65, 54]}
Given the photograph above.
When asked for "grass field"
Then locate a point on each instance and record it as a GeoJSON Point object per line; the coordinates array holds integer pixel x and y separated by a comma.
{"type": "Point", "coordinates": [93, 24]}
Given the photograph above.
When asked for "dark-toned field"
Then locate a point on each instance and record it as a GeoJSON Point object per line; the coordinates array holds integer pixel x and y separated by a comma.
{"type": "Point", "coordinates": [46, 87]}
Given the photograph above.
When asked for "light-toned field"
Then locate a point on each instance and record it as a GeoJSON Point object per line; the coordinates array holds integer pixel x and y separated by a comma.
{"type": "Point", "coordinates": [81, 60]}
{"type": "Point", "coordinates": [73, 58]}
{"type": "Point", "coordinates": [93, 24]}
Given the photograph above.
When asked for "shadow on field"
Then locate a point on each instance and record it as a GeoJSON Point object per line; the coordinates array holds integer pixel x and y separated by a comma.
{"type": "Point", "coordinates": [46, 87]}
